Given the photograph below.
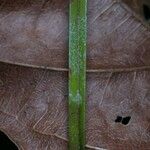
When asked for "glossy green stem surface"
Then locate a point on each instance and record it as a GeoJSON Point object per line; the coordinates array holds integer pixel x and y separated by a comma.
{"type": "Point", "coordinates": [77, 73]}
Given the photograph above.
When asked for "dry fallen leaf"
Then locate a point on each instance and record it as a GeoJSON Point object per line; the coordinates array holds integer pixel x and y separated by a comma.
{"type": "Point", "coordinates": [34, 75]}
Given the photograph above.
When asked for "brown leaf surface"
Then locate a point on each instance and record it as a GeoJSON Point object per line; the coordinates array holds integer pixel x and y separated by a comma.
{"type": "Point", "coordinates": [35, 33]}
{"type": "Point", "coordinates": [33, 102]}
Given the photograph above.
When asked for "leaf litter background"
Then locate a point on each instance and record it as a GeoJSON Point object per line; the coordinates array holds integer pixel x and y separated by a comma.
{"type": "Point", "coordinates": [34, 75]}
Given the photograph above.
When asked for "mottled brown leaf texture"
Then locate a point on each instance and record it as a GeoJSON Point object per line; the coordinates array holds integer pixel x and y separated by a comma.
{"type": "Point", "coordinates": [34, 74]}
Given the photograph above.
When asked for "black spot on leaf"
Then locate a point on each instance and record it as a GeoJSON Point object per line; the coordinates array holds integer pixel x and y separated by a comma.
{"type": "Point", "coordinates": [126, 120]}
{"type": "Point", "coordinates": [118, 119]}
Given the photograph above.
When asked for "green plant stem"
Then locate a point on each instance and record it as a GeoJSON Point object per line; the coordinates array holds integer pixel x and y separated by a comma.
{"type": "Point", "coordinates": [77, 73]}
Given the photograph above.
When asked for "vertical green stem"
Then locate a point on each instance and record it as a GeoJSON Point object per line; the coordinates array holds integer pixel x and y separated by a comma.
{"type": "Point", "coordinates": [77, 73]}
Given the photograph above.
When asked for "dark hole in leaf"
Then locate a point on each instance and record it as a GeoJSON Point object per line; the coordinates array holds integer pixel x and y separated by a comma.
{"type": "Point", "coordinates": [118, 119]}
{"type": "Point", "coordinates": [146, 11]}
{"type": "Point", "coordinates": [6, 143]}
{"type": "Point", "coordinates": [126, 120]}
